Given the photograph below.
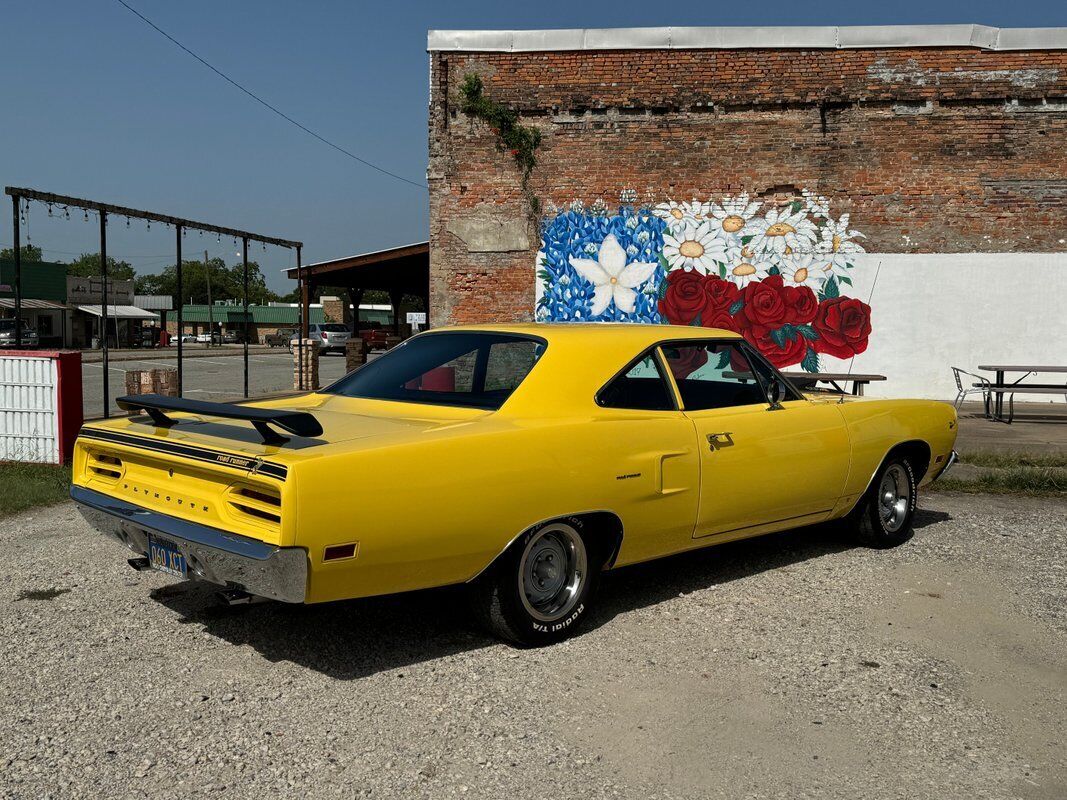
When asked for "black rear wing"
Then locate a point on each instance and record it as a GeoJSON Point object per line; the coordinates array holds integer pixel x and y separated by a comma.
{"type": "Point", "coordinates": [298, 423]}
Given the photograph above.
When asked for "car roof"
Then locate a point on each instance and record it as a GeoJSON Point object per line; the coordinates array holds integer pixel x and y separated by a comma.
{"type": "Point", "coordinates": [580, 359]}
{"type": "Point", "coordinates": [592, 332]}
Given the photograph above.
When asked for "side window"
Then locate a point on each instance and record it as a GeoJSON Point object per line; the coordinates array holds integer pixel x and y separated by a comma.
{"type": "Point", "coordinates": [642, 387]}
{"type": "Point", "coordinates": [713, 375]}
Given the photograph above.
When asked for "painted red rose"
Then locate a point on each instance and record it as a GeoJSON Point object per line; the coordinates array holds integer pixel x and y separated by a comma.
{"type": "Point", "coordinates": [719, 294]}
{"type": "Point", "coordinates": [764, 303]}
{"type": "Point", "coordinates": [801, 304]}
{"type": "Point", "coordinates": [791, 352]}
{"type": "Point", "coordinates": [684, 299]}
{"type": "Point", "coordinates": [843, 325]}
{"type": "Point", "coordinates": [684, 361]}
{"type": "Point", "coordinates": [722, 319]}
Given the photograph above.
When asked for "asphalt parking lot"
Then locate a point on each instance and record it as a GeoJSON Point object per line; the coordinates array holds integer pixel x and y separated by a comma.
{"type": "Point", "coordinates": [218, 378]}
{"type": "Point", "coordinates": [784, 667]}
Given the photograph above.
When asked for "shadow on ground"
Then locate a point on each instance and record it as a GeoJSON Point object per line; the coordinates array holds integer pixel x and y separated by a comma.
{"type": "Point", "coordinates": [353, 639]}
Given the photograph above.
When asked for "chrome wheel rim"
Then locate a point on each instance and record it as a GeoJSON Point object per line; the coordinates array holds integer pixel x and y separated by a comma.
{"type": "Point", "coordinates": [894, 498]}
{"type": "Point", "coordinates": [552, 572]}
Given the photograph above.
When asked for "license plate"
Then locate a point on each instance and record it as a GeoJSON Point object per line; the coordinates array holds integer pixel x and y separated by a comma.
{"type": "Point", "coordinates": [166, 557]}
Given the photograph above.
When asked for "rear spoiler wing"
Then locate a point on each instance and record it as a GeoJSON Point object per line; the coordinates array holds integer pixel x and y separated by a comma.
{"type": "Point", "coordinates": [298, 423]}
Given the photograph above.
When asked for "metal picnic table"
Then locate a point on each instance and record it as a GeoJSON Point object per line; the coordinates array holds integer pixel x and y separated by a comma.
{"type": "Point", "coordinates": [1000, 388]}
{"type": "Point", "coordinates": [807, 380]}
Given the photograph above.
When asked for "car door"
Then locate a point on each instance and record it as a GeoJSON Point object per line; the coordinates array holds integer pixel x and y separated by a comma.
{"type": "Point", "coordinates": [760, 468]}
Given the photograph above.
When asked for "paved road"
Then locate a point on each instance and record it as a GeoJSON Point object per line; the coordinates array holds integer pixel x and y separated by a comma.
{"type": "Point", "coordinates": [206, 378]}
{"type": "Point", "coordinates": [784, 667]}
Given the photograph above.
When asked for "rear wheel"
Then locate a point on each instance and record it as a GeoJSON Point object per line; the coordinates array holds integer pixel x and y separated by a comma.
{"type": "Point", "coordinates": [885, 515]}
{"type": "Point", "coordinates": [539, 591]}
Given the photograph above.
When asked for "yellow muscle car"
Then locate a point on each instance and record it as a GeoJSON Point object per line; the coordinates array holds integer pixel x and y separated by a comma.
{"type": "Point", "coordinates": [520, 459]}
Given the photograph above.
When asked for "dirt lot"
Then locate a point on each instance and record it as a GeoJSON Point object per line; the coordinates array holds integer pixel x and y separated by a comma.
{"type": "Point", "coordinates": [786, 667]}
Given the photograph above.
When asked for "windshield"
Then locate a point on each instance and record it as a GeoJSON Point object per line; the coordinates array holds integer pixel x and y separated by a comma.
{"type": "Point", "coordinates": [9, 325]}
{"type": "Point", "coordinates": [334, 327]}
{"type": "Point", "coordinates": [472, 369]}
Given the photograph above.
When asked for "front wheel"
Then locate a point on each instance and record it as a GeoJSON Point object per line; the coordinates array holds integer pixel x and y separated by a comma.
{"type": "Point", "coordinates": [885, 515]}
{"type": "Point", "coordinates": [540, 590]}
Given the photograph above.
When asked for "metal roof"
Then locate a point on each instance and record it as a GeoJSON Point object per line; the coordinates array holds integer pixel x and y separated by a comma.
{"type": "Point", "coordinates": [734, 38]}
{"type": "Point", "coordinates": [155, 302]}
{"type": "Point", "coordinates": [118, 312]}
{"type": "Point", "coordinates": [32, 303]}
{"type": "Point", "coordinates": [259, 315]}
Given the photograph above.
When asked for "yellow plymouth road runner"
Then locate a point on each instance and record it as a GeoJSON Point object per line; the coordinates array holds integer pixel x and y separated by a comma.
{"type": "Point", "coordinates": [523, 460]}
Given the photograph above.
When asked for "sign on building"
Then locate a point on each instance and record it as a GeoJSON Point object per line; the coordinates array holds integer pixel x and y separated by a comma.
{"type": "Point", "coordinates": [90, 291]}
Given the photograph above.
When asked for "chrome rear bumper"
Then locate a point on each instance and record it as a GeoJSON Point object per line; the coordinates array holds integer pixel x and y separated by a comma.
{"type": "Point", "coordinates": [952, 459]}
{"type": "Point", "coordinates": [212, 555]}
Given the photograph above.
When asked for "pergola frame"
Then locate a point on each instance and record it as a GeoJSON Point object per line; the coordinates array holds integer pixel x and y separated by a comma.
{"type": "Point", "coordinates": [180, 225]}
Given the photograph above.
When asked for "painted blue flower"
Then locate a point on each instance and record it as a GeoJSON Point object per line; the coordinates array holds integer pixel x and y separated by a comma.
{"type": "Point", "coordinates": [566, 296]}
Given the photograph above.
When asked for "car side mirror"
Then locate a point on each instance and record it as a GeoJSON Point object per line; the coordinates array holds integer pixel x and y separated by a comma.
{"type": "Point", "coordinates": [775, 394]}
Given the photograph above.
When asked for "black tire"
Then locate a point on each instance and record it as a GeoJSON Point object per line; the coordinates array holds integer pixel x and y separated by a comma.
{"type": "Point", "coordinates": [548, 613]}
{"type": "Point", "coordinates": [885, 514]}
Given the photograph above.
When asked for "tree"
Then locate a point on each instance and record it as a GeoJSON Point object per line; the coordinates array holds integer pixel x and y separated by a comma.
{"type": "Point", "coordinates": [227, 283]}
{"type": "Point", "coordinates": [29, 253]}
{"type": "Point", "coordinates": [87, 265]}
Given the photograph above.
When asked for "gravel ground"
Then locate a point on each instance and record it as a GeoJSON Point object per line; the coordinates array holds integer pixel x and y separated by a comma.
{"type": "Point", "coordinates": [785, 667]}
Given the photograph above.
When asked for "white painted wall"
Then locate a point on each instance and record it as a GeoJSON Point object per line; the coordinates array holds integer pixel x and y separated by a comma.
{"type": "Point", "coordinates": [933, 312]}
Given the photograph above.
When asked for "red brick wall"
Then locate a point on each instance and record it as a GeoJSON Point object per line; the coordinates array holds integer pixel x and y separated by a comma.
{"type": "Point", "coordinates": [929, 150]}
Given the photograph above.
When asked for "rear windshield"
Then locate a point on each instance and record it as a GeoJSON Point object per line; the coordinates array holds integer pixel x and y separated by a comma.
{"type": "Point", "coordinates": [476, 370]}
{"type": "Point", "coordinates": [334, 327]}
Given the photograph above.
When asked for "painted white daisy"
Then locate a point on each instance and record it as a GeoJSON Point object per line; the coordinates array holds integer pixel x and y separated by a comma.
{"type": "Point", "coordinates": [746, 270]}
{"type": "Point", "coordinates": [732, 216]}
{"type": "Point", "coordinates": [680, 213]}
{"type": "Point", "coordinates": [802, 269]}
{"type": "Point", "coordinates": [692, 247]}
{"type": "Point", "coordinates": [613, 279]}
{"type": "Point", "coordinates": [816, 204]}
{"type": "Point", "coordinates": [838, 247]}
{"type": "Point", "coordinates": [780, 233]}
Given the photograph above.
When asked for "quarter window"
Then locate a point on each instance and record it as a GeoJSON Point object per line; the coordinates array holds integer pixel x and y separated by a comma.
{"type": "Point", "coordinates": [642, 387]}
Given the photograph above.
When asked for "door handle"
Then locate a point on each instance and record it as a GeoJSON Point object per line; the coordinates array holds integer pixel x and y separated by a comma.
{"type": "Point", "coordinates": [721, 438]}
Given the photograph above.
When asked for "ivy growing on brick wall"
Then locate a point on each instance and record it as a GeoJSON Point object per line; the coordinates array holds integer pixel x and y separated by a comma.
{"type": "Point", "coordinates": [521, 141]}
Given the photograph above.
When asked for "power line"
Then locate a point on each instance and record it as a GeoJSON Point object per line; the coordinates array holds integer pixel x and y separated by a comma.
{"type": "Point", "coordinates": [264, 103]}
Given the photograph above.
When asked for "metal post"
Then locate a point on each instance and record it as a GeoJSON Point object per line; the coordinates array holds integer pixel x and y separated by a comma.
{"type": "Point", "coordinates": [210, 316]}
{"type": "Point", "coordinates": [103, 307]}
{"type": "Point", "coordinates": [181, 330]}
{"type": "Point", "coordinates": [244, 260]}
{"type": "Point", "coordinates": [15, 199]}
{"type": "Point", "coordinates": [304, 311]}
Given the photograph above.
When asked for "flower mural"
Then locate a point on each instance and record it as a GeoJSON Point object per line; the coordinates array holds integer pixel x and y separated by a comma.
{"type": "Point", "coordinates": [772, 273]}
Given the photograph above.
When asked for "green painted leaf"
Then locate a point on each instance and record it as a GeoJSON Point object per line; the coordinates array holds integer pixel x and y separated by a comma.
{"type": "Point", "coordinates": [808, 332]}
{"type": "Point", "coordinates": [811, 361]}
{"type": "Point", "coordinates": [774, 271]}
{"type": "Point", "coordinates": [663, 263]}
{"type": "Point", "coordinates": [724, 359]}
{"type": "Point", "coordinates": [789, 331]}
{"type": "Point", "coordinates": [778, 337]}
{"type": "Point", "coordinates": [830, 289]}
{"type": "Point", "coordinates": [722, 271]}
{"type": "Point", "coordinates": [544, 275]}
{"type": "Point", "coordinates": [795, 206]}
{"type": "Point", "coordinates": [747, 239]}
{"type": "Point", "coordinates": [845, 279]}
{"type": "Point", "coordinates": [661, 290]}
{"type": "Point", "coordinates": [737, 306]}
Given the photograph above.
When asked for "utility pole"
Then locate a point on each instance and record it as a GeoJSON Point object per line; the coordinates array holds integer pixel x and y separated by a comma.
{"type": "Point", "coordinates": [210, 315]}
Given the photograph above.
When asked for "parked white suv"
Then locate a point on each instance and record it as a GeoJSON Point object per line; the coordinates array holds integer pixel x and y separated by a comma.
{"type": "Point", "coordinates": [331, 335]}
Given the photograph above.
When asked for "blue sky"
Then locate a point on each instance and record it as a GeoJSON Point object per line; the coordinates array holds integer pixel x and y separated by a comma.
{"type": "Point", "coordinates": [97, 104]}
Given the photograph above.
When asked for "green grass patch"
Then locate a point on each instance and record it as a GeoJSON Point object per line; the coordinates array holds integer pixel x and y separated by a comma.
{"type": "Point", "coordinates": [1033, 481]}
{"type": "Point", "coordinates": [29, 485]}
{"type": "Point", "coordinates": [1013, 458]}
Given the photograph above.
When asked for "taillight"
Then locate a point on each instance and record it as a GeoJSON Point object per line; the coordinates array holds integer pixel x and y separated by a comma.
{"type": "Point", "coordinates": [324, 334]}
